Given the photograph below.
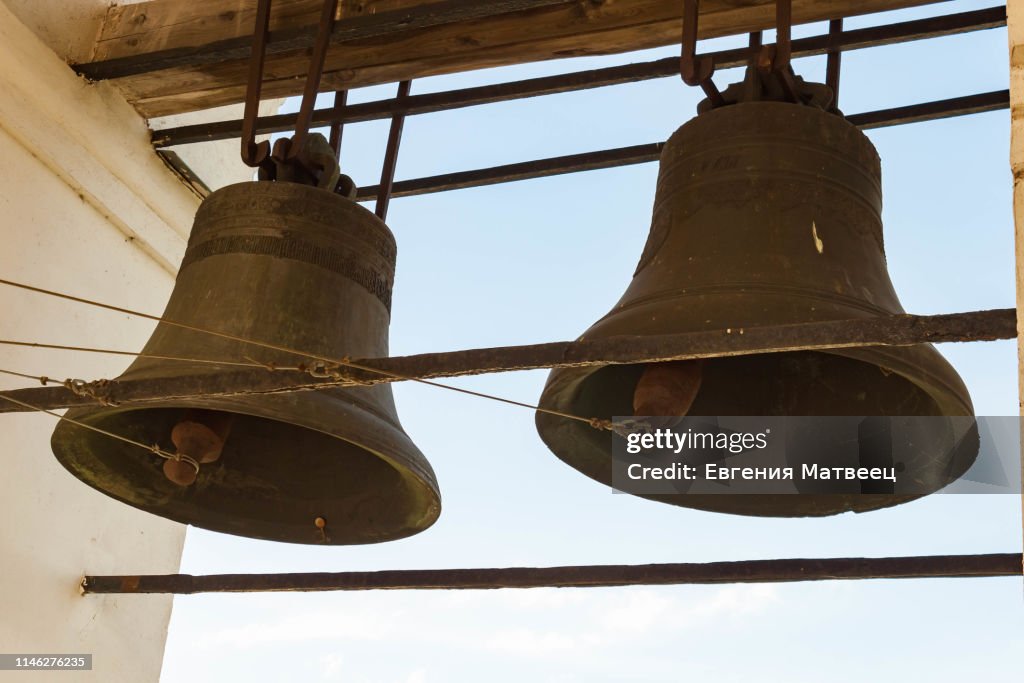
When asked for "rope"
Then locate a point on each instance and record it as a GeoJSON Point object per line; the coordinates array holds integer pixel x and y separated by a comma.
{"type": "Point", "coordinates": [98, 390]}
{"type": "Point", "coordinates": [152, 449]}
{"type": "Point", "coordinates": [596, 423]}
{"type": "Point", "coordinates": [250, 363]}
{"type": "Point", "coordinates": [94, 390]}
{"type": "Point", "coordinates": [43, 379]}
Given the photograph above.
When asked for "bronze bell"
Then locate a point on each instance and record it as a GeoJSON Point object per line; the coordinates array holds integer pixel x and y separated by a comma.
{"type": "Point", "coordinates": [766, 213]}
{"type": "Point", "coordinates": [300, 268]}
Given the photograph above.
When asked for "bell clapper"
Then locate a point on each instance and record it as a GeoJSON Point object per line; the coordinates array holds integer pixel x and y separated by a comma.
{"type": "Point", "coordinates": [180, 471]}
{"type": "Point", "coordinates": [667, 389]}
{"type": "Point", "coordinates": [201, 434]}
{"type": "Point", "coordinates": [199, 437]}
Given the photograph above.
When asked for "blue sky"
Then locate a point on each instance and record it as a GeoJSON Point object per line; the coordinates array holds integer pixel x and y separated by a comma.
{"type": "Point", "coordinates": [541, 260]}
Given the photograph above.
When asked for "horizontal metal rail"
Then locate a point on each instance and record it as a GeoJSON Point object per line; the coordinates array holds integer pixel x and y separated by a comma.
{"type": "Point", "coordinates": [897, 330]}
{"type": "Point", "coordinates": [875, 36]}
{"type": "Point", "coordinates": [750, 571]}
{"type": "Point", "coordinates": [524, 170]}
{"type": "Point", "coordinates": [639, 154]}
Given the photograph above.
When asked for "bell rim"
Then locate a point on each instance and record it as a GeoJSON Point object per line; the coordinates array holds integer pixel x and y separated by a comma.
{"type": "Point", "coordinates": [563, 384]}
{"type": "Point", "coordinates": [414, 471]}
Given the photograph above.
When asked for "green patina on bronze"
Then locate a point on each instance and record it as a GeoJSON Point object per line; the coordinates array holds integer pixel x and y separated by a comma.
{"type": "Point", "coordinates": [766, 213]}
{"type": "Point", "coordinates": [299, 268]}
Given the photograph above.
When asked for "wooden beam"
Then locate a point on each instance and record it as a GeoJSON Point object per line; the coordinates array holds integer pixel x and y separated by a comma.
{"type": "Point", "coordinates": [747, 571]}
{"type": "Point", "coordinates": [855, 39]}
{"type": "Point", "coordinates": [896, 330]}
{"type": "Point", "coordinates": [1016, 54]}
{"type": "Point", "coordinates": [392, 51]}
{"type": "Point", "coordinates": [146, 27]}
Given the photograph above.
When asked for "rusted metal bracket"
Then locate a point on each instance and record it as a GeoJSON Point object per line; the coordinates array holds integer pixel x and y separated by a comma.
{"type": "Point", "coordinates": [316, 70]}
{"type": "Point", "coordinates": [387, 175]}
{"type": "Point", "coordinates": [773, 61]}
{"type": "Point", "coordinates": [697, 70]}
{"type": "Point", "coordinates": [255, 154]}
{"type": "Point", "coordinates": [338, 127]}
{"type": "Point", "coordinates": [835, 59]}
{"type": "Point", "coordinates": [300, 158]}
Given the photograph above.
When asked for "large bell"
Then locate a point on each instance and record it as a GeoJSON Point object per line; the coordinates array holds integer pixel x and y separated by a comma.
{"type": "Point", "coordinates": [297, 267]}
{"type": "Point", "coordinates": [766, 213]}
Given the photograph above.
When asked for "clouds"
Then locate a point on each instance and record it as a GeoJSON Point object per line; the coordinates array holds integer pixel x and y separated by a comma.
{"type": "Point", "coordinates": [330, 666]}
{"type": "Point", "coordinates": [613, 618]}
{"type": "Point", "coordinates": [534, 623]}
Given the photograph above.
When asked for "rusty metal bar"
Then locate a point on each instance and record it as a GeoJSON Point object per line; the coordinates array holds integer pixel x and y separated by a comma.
{"type": "Point", "coordinates": [296, 40]}
{"type": "Point", "coordinates": [540, 168]}
{"type": "Point", "coordinates": [898, 330]}
{"type": "Point", "coordinates": [316, 71]}
{"type": "Point", "coordinates": [694, 69]}
{"type": "Point", "coordinates": [874, 36]}
{"type": "Point", "coordinates": [931, 111]}
{"type": "Point", "coordinates": [338, 127]}
{"type": "Point", "coordinates": [775, 60]}
{"type": "Point", "coordinates": [177, 165]}
{"type": "Point", "coordinates": [749, 571]}
{"type": "Point", "coordinates": [835, 60]}
{"type": "Point", "coordinates": [254, 153]}
{"type": "Point", "coordinates": [639, 154]}
{"type": "Point", "coordinates": [387, 173]}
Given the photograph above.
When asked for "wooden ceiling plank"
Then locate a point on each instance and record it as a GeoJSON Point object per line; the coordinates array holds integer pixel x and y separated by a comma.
{"type": "Point", "coordinates": [166, 24]}
{"type": "Point", "coordinates": [580, 27]}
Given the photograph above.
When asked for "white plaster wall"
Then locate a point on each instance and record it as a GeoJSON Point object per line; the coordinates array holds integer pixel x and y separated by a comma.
{"type": "Point", "coordinates": [70, 28]}
{"type": "Point", "coordinates": [85, 207]}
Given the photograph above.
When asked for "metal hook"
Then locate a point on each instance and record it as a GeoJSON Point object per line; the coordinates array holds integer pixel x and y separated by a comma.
{"type": "Point", "coordinates": [697, 70]}
{"type": "Point", "coordinates": [316, 70]}
{"type": "Point", "coordinates": [776, 60]}
{"type": "Point", "coordinates": [292, 151]}
{"type": "Point", "coordinates": [256, 154]}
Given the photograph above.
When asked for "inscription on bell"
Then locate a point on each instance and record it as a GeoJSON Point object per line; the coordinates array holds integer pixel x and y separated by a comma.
{"type": "Point", "coordinates": [726, 162]}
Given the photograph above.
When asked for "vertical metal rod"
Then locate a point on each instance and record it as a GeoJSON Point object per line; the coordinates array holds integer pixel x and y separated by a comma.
{"type": "Point", "coordinates": [338, 127]}
{"type": "Point", "coordinates": [783, 34]}
{"type": "Point", "coordinates": [316, 69]}
{"type": "Point", "coordinates": [835, 59]}
{"type": "Point", "coordinates": [755, 42]}
{"type": "Point", "coordinates": [254, 154]}
{"type": "Point", "coordinates": [387, 175]}
{"type": "Point", "coordinates": [690, 65]}
{"type": "Point", "coordinates": [697, 70]}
